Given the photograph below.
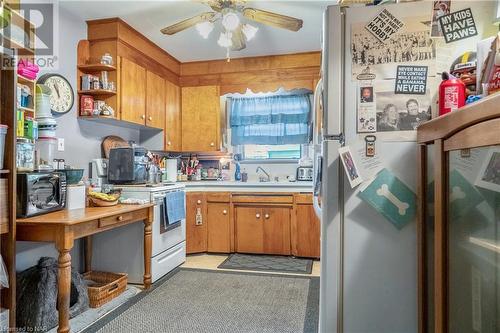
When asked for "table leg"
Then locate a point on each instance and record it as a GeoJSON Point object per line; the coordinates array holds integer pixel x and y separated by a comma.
{"type": "Point", "coordinates": [148, 248]}
{"type": "Point", "coordinates": [88, 254]}
{"type": "Point", "coordinates": [64, 246]}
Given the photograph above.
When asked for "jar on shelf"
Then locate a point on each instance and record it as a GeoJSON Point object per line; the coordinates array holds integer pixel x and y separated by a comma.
{"type": "Point", "coordinates": [25, 155]}
{"type": "Point", "coordinates": [46, 150]}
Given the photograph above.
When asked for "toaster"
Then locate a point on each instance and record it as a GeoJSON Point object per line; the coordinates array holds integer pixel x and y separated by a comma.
{"type": "Point", "coordinates": [305, 173]}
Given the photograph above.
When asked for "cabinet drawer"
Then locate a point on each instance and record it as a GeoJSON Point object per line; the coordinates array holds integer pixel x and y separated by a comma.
{"type": "Point", "coordinates": [218, 197]}
{"type": "Point", "coordinates": [263, 198]}
{"type": "Point", "coordinates": [303, 199]}
{"type": "Point", "coordinates": [111, 220]}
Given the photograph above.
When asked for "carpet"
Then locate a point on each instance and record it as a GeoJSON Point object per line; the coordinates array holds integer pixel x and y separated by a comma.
{"type": "Point", "coordinates": [204, 301]}
{"type": "Point", "coordinates": [249, 262]}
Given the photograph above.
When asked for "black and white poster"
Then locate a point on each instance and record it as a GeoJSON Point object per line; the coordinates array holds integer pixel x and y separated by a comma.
{"type": "Point", "coordinates": [411, 45]}
{"type": "Point", "coordinates": [458, 25]}
{"type": "Point", "coordinates": [384, 26]}
{"type": "Point", "coordinates": [411, 80]}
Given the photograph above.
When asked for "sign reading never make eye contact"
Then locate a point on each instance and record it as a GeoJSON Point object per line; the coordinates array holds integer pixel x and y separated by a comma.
{"type": "Point", "coordinates": [411, 80]}
{"type": "Point", "coordinates": [458, 25]}
{"type": "Point", "coordinates": [384, 26]}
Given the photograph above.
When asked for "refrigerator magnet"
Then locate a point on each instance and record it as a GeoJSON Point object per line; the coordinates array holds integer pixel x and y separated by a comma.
{"type": "Point", "coordinates": [370, 145]}
{"type": "Point", "coordinates": [350, 167]}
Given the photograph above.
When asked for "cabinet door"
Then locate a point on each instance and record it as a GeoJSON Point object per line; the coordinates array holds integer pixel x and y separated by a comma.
{"type": "Point", "coordinates": [249, 230]}
{"type": "Point", "coordinates": [276, 222]}
{"type": "Point", "coordinates": [305, 235]}
{"type": "Point", "coordinates": [200, 118]}
{"type": "Point", "coordinates": [196, 224]}
{"type": "Point", "coordinates": [155, 101]}
{"type": "Point", "coordinates": [219, 239]}
{"type": "Point", "coordinates": [133, 92]}
{"type": "Point", "coordinates": [173, 130]}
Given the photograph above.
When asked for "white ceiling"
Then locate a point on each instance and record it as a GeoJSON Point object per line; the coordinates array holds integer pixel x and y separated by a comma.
{"type": "Point", "coordinates": [148, 17]}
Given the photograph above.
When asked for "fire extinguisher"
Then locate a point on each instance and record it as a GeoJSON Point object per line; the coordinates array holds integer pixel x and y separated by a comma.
{"type": "Point", "coordinates": [451, 94]}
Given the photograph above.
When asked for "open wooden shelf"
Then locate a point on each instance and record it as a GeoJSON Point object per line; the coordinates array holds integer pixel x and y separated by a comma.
{"type": "Point", "coordinates": [96, 68]}
{"type": "Point", "coordinates": [3, 172]}
{"type": "Point", "coordinates": [97, 92]}
{"type": "Point", "coordinates": [22, 108]}
{"type": "Point", "coordinates": [23, 80]}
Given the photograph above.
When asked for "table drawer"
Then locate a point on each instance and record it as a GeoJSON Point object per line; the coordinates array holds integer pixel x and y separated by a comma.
{"type": "Point", "coordinates": [115, 219]}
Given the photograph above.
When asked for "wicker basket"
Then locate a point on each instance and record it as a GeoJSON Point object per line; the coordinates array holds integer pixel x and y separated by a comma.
{"type": "Point", "coordinates": [104, 286]}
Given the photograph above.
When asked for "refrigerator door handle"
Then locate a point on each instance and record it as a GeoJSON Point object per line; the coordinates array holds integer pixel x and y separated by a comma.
{"type": "Point", "coordinates": [317, 186]}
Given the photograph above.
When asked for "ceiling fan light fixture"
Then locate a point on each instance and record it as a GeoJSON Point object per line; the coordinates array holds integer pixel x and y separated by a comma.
{"type": "Point", "coordinates": [225, 39]}
{"type": "Point", "coordinates": [249, 31]}
{"type": "Point", "coordinates": [230, 21]}
{"type": "Point", "coordinates": [205, 28]}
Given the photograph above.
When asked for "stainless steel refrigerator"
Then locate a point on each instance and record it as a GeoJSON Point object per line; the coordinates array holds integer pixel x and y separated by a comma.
{"type": "Point", "coordinates": [368, 267]}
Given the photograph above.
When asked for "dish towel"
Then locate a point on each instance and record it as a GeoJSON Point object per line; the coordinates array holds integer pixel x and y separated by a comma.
{"type": "Point", "coordinates": [176, 207]}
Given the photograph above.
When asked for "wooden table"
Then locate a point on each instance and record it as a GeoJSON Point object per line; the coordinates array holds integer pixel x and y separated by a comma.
{"type": "Point", "coordinates": [63, 227]}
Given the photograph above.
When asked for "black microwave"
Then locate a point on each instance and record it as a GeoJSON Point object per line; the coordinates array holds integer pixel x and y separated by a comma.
{"type": "Point", "coordinates": [40, 193]}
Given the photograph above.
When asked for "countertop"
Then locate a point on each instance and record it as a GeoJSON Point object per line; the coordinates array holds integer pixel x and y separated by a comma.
{"type": "Point", "coordinates": [232, 186]}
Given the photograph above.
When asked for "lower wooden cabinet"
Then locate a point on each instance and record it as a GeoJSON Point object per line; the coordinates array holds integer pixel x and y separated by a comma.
{"type": "Point", "coordinates": [261, 229]}
{"type": "Point", "coordinates": [305, 230]}
{"type": "Point", "coordinates": [219, 227]}
{"type": "Point", "coordinates": [196, 223]}
{"type": "Point", "coordinates": [221, 222]}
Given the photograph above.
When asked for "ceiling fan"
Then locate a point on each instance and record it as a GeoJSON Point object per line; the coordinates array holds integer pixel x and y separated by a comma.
{"type": "Point", "coordinates": [234, 34]}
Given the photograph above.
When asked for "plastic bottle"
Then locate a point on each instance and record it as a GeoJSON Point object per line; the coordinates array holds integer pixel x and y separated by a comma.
{"type": "Point", "coordinates": [237, 173]}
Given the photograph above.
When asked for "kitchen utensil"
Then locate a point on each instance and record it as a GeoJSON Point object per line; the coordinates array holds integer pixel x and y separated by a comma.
{"type": "Point", "coordinates": [110, 142]}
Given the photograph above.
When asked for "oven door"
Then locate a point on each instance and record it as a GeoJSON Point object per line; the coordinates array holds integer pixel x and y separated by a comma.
{"type": "Point", "coordinates": [165, 236]}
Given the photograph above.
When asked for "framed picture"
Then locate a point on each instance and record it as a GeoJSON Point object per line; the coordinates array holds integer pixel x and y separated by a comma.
{"type": "Point", "coordinates": [489, 174]}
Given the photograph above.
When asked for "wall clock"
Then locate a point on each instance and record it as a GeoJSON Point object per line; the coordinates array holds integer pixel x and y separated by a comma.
{"type": "Point", "coordinates": [62, 96]}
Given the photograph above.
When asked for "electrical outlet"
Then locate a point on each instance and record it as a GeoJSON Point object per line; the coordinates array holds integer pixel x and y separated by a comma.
{"type": "Point", "coordinates": [60, 144]}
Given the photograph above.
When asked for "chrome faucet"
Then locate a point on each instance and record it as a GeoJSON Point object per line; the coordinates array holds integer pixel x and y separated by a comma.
{"type": "Point", "coordinates": [261, 178]}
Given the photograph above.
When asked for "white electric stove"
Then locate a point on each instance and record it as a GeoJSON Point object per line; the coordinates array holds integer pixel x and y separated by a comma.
{"type": "Point", "coordinates": [121, 250]}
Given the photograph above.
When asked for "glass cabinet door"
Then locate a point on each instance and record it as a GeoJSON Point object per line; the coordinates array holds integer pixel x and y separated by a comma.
{"type": "Point", "coordinates": [474, 240]}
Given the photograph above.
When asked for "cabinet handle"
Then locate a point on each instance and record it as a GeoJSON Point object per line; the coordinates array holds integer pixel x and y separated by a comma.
{"type": "Point", "coordinates": [198, 202]}
{"type": "Point", "coordinates": [169, 143]}
{"type": "Point", "coordinates": [266, 216]}
{"type": "Point", "coordinates": [120, 218]}
{"type": "Point", "coordinates": [143, 117]}
{"type": "Point", "coordinates": [150, 118]}
{"type": "Point", "coordinates": [224, 212]}
{"type": "Point", "coordinates": [212, 144]}
{"type": "Point", "coordinates": [257, 216]}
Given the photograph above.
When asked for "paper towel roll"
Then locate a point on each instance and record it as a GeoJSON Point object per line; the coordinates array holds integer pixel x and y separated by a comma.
{"type": "Point", "coordinates": [171, 170]}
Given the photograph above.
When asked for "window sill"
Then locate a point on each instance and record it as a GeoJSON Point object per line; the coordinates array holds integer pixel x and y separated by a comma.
{"type": "Point", "coordinates": [270, 161]}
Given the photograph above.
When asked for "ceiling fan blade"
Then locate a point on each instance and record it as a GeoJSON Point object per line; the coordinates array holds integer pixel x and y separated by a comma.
{"type": "Point", "coordinates": [273, 19]}
{"type": "Point", "coordinates": [183, 25]}
{"type": "Point", "coordinates": [238, 40]}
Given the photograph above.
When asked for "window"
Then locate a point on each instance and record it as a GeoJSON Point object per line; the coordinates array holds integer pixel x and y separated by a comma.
{"type": "Point", "coordinates": [271, 152]}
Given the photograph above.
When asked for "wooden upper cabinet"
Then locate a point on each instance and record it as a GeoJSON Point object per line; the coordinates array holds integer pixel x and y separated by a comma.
{"type": "Point", "coordinates": [155, 100]}
{"type": "Point", "coordinates": [173, 120]}
{"type": "Point", "coordinates": [133, 92]}
{"type": "Point", "coordinates": [201, 118]}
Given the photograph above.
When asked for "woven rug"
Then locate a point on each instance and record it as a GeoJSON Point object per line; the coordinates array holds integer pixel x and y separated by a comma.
{"type": "Point", "coordinates": [249, 262]}
{"type": "Point", "coordinates": [204, 301]}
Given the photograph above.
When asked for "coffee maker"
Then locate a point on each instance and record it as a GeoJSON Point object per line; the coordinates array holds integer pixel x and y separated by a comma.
{"type": "Point", "coordinates": [98, 171]}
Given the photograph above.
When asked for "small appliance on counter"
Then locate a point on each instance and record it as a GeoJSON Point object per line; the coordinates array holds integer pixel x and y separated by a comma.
{"type": "Point", "coordinates": [40, 193]}
{"type": "Point", "coordinates": [98, 171]}
{"type": "Point", "coordinates": [304, 173]}
{"type": "Point", "coordinates": [128, 165]}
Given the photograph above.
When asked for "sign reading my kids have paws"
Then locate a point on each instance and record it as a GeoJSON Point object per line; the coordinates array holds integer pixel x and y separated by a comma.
{"type": "Point", "coordinates": [384, 26]}
{"type": "Point", "coordinates": [458, 25]}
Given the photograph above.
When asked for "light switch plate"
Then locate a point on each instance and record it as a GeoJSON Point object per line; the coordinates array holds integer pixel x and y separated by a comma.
{"type": "Point", "coordinates": [60, 144]}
